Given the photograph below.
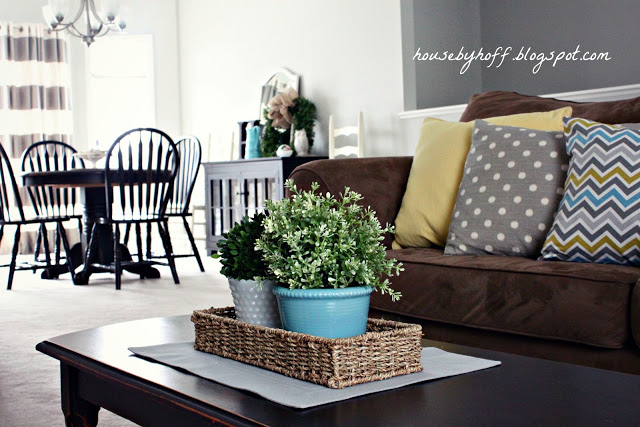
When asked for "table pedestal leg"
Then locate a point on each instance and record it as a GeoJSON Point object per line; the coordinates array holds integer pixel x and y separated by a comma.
{"type": "Point", "coordinates": [54, 271]}
{"type": "Point", "coordinates": [94, 201]}
{"type": "Point", "coordinates": [95, 206]}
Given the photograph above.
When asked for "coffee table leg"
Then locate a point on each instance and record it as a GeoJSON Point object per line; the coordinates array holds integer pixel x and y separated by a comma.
{"type": "Point", "coordinates": [77, 411]}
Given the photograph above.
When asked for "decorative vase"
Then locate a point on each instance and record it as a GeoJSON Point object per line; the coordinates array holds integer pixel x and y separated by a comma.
{"type": "Point", "coordinates": [253, 304]}
{"type": "Point", "coordinates": [253, 143]}
{"type": "Point", "coordinates": [301, 142]}
{"type": "Point", "coordinates": [329, 313]}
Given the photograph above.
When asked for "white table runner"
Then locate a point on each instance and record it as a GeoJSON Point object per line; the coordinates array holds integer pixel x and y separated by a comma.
{"type": "Point", "coordinates": [297, 393]}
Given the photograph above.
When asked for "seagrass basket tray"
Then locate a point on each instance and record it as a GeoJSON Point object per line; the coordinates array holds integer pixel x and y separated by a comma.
{"type": "Point", "coordinates": [387, 349]}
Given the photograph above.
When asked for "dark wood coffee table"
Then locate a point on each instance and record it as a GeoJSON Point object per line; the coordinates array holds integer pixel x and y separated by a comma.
{"type": "Point", "coordinates": [97, 371]}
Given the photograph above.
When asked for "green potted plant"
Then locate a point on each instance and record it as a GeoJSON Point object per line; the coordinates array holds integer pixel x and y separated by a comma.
{"type": "Point", "coordinates": [326, 256]}
{"type": "Point", "coordinates": [253, 299]}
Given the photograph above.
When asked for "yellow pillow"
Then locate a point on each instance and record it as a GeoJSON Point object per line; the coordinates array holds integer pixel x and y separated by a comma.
{"type": "Point", "coordinates": [436, 172]}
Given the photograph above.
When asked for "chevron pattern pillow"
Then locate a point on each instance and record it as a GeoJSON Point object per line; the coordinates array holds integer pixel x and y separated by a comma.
{"type": "Point", "coordinates": [599, 216]}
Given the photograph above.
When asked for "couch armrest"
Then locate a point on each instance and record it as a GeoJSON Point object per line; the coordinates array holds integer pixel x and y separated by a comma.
{"type": "Point", "coordinates": [380, 180]}
{"type": "Point", "coordinates": [635, 313]}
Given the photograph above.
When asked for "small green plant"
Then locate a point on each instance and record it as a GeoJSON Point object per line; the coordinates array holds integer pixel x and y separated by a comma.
{"type": "Point", "coordinates": [312, 240]}
{"type": "Point", "coordinates": [237, 253]}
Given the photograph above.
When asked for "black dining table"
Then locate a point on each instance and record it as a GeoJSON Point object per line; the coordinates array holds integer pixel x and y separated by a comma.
{"type": "Point", "coordinates": [94, 200]}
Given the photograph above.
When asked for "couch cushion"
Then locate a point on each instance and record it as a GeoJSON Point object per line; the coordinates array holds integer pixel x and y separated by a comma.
{"type": "Point", "coordinates": [436, 171]}
{"type": "Point", "coordinates": [583, 303]}
{"type": "Point", "coordinates": [510, 190]}
{"type": "Point", "coordinates": [500, 103]}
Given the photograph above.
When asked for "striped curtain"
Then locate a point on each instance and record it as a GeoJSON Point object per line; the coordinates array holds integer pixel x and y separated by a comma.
{"type": "Point", "coordinates": [34, 86]}
{"type": "Point", "coordinates": [35, 92]}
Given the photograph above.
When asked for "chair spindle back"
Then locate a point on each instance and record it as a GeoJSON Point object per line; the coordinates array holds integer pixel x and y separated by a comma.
{"type": "Point", "coordinates": [140, 168]}
{"type": "Point", "coordinates": [10, 201]}
{"type": "Point", "coordinates": [190, 154]}
{"type": "Point", "coordinates": [47, 156]}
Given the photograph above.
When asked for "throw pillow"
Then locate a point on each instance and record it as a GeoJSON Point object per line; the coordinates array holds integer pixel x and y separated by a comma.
{"type": "Point", "coordinates": [599, 216]}
{"type": "Point", "coordinates": [510, 190]}
{"type": "Point", "coordinates": [500, 103]}
{"type": "Point", "coordinates": [438, 163]}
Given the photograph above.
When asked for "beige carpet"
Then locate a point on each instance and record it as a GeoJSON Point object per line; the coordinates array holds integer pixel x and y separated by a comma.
{"type": "Point", "coordinates": [39, 309]}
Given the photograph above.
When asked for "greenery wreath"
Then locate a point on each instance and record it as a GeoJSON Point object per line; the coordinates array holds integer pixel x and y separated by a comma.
{"type": "Point", "coordinates": [304, 114]}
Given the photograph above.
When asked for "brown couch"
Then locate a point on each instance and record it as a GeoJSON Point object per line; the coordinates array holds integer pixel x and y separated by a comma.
{"type": "Point", "coordinates": [586, 314]}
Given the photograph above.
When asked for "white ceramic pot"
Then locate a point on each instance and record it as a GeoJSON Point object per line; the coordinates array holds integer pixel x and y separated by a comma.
{"type": "Point", "coordinates": [253, 304]}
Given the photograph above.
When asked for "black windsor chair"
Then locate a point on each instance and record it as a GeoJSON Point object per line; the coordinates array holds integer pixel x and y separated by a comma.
{"type": "Point", "coordinates": [14, 215]}
{"type": "Point", "coordinates": [140, 168]}
{"type": "Point", "coordinates": [50, 202]}
{"type": "Point", "coordinates": [190, 154]}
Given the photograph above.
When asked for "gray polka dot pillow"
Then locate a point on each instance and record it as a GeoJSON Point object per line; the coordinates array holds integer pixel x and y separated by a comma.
{"type": "Point", "coordinates": [512, 184]}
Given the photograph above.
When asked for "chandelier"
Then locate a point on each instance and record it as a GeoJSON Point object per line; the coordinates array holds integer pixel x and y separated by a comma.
{"type": "Point", "coordinates": [86, 19]}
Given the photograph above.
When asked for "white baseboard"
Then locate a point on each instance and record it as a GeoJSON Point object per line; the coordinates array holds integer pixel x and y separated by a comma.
{"type": "Point", "coordinates": [450, 112]}
{"type": "Point", "coordinates": [599, 95]}
{"type": "Point", "coordinates": [453, 112]}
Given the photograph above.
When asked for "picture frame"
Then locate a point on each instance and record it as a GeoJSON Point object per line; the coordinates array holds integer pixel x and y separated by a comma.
{"type": "Point", "coordinates": [280, 81]}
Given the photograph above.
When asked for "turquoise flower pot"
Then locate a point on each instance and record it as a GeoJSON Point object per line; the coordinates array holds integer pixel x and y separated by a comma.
{"type": "Point", "coordinates": [329, 313]}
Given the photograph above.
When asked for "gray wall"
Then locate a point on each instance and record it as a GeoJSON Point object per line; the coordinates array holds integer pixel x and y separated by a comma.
{"type": "Point", "coordinates": [543, 25]}
{"type": "Point", "coordinates": [440, 25]}
{"type": "Point", "coordinates": [408, 48]}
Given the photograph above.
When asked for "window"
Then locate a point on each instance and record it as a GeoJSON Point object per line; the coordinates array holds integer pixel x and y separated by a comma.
{"type": "Point", "coordinates": [120, 87]}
